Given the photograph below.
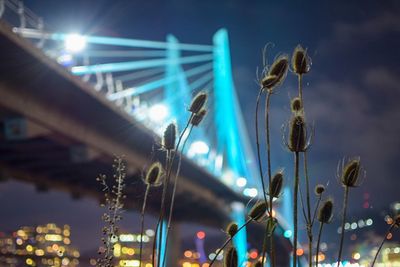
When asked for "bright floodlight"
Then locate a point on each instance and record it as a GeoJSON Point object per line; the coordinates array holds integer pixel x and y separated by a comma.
{"type": "Point", "coordinates": [199, 147]}
{"type": "Point", "coordinates": [158, 113]}
{"type": "Point", "coordinates": [75, 42]}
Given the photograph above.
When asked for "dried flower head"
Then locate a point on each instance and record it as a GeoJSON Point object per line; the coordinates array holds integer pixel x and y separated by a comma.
{"type": "Point", "coordinates": [276, 184]}
{"type": "Point", "coordinates": [301, 62]}
{"type": "Point", "coordinates": [169, 137]}
{"type": "Point", "coordinates": [296, 105]}
{"type": "Point", "coordinates": [351, 173]}
{"type": "Point", "coordinates": [258, 210]}
{"type": "Point", "coordinates": [325, 213]}
{"type": "Point", "coordinates": [396, 220]}
{"type": "Point", "coordinates": [198, 117]}
{"type": "Point", "coordinates": [231, 229]}
{"type": "Point", "coordinates": [276, 74]}
{"type": "Point", "coordinates": [231, 257]}
{"type": "Point", "coordinates": [153, 175]}
{"type": "Point", "coordinates": [319, 189]}
{"type": "Point", "coordinates": [297, 135]}
{"type": "Point", "coordinates": [198, 102]}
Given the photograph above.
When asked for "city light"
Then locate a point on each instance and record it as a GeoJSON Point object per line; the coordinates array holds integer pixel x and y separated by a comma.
{"type": "Point", "coordinates": [288, 233]}
{"type": "Point", "coordinates": [241, 182]}
{"type": "Point", "coordinates": [158, 113]}
{"type": "Point", "coordinates": [250, 192]}
{"type": "Point", "coordinates": [75, 43]}
{"type": "Point", "coordinates": [198, 147]}
{"type": "Point", "coordinates": [201, 235]}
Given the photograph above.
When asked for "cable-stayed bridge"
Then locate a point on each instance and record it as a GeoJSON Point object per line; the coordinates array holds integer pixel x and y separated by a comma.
{"type": "Point", "coordinates": [69, 102]}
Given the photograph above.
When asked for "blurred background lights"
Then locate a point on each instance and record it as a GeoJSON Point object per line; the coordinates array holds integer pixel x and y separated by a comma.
{"type": "Point", "coordinates": [241, 182]}
{"type": "Point", "coordinates": [288, 233]}
{"type": "Point", "coordinates": [198, 147]}
{"type": "Point", "coordinates": [158, 113]}
{"type": "Point", "coordinates": [250, 192]}
{"type": "Point", "coordinates": [201, 235]}
{"type": "Point", "coordinates": [75, 43]}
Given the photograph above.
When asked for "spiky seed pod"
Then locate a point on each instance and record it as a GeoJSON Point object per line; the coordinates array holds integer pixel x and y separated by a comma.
{"type": "Point", "coordinates": [351, 173]}
{"type": "Point", "coordinates": [296, 105]}
{"type": "Point", "coordinates": [198, 102]}
{"type": "Point", "coordinates": [319, 189]}
{"type": "Point", "coordinates": [169, 137]}
{"type": "Point", "coordinates": [276, 73]}
{"type": "Point", "coordinates": [231, 257]}
{"type": "Point", "coordinates": [297, 136]}
{"type": "Point", "coordinates": [325, 213]}
{"type": "Point", "coordinates": [276, 184]}
{"type": "Point", "coordinates": [153, 175]}
{"type": "Point", "coordinates": [198, 117]}
{"type": "Point", "coordinates": [258, 210]}
{"type": "Point", "coordinates": [232, 229]}
{"type": "Point", "coordinates": [301, 62]}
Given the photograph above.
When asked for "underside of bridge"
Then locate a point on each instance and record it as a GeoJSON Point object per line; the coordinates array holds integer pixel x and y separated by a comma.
{"type": "Point", "coordinates": [58, 132]}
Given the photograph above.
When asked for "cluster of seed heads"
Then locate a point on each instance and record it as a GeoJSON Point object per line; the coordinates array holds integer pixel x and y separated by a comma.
{"type": "Point", "coordinates": [275, 74]}
{"type": "Point", "coordinates": [301, 62]}
{"type": "Point", "coordinates": [169, 137]}
{"type": "Point", "coordinates": [319, 189]}
{"type": "Point", "coordinates": [114, 205]}
{"type": "Point", "coordinates": [258, 210]}
{"type": "Point", "coordinates": [154, 174]}
{"type": "Point", "coordinates": [325, 213]}
{"type": "Point", "coordinates": [276, 184]}
{"type": "Point", "coordinates": [351, 173]}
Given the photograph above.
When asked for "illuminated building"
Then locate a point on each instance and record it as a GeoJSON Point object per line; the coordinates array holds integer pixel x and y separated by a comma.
{"type": "Point", "coordinates": [43, 245]}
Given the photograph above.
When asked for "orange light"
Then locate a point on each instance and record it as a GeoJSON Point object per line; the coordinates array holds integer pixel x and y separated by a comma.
{"type": "Point", "coordinates": [205, 265]}
{"type": "Point", "coordinates": [201, 235]}
{"type": "Point", "coordinates": [253, 254]}
{"type": "Point", "coordinates": [299, 252]}
{"type": "Point", "coordinates": [389, 236]}
{"type": "Point", "coordinates": [188, 254]}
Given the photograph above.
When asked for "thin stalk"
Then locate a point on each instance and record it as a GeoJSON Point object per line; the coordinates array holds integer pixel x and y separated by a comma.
{"type": "Point", "coordinates": [229, 240]}
{"type": "Point", "coordinates": [258, 147]}
{"type": "Point", "coordinates": [309, 225]}
{"type": "Point", "coordinates": [264, 248]}
{"type": "Point", "coordinates": [142, 223]}
{"type": "Point", "coordinates": [169, 171]}
{"type": "Point", "coordinates": [316, 208]}
{"type": "Point", "coordinates": [346, 197]}
{"type": "Point", "coordinates": [267, 134]}
{"type": "Point", "coordinates": [295, 193]}
{"type": "Point", "coordinates": [383, 241]}
{"type": "Point", "coordinates": [300, 80]}
{"type": "Point", "coordinates": [168, 165]}
{"type": "Point", "coordinates": [171, 208]}
{"type": "Point", "coordinates": [319, 239]}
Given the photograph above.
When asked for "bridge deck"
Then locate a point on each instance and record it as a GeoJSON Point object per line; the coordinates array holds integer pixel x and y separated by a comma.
{"type": "Point", "coordinates": [72, 133]}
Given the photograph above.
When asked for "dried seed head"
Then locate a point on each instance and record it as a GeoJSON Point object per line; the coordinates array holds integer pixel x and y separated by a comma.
{"type": "Point", "coordinates": [297, 136]}
{"type": "Point", "coordinates": [319, 189]}
{"type": "Point", "coordinates": [325, 213]}
{"type": "Point", "coordinates": [301, 62]}
{"type": "Point", "coordinates": [258, 210]}
{"type": "Point", "coordinates": [231, 258]}
{"type": "Point", "coordinates": [351, 173]}
{"type": "Point", "coordinates": [276, 184]}
{"type": "Point", "coordinates": [153, 175]}
{"type": "Point", "coordinates": [231, 229]}
{"type": "Point", "coordinates": [169, 137]}
{"type": "Point", "coordinates": [296, 105]}
{"type": "Point", "coordinates": [276, 73]}
{"type": "Point", "coordinates": [198, 102]}
{"type": "Point", "coordinates": [198, 117]}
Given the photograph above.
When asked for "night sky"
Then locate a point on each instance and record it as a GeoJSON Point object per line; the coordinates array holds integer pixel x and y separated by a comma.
{"type": "Point", "coordinates": [351, 94]}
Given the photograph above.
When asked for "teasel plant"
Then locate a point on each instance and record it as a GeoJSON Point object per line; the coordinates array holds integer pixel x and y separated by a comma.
{"type": "Point", "coordinates": [256, 214]}
{"type": "Point", "coordinates": [325, 215]}
{"type": "Point", "coordinates": [350, 175]}
{"type": "Point", "coordinates": [172, 149]}
{"type": "Point", "coordinates": [114, 196]}
{"type": "Point", "coordinates": [272, 77]}
{"type": "Point", "coordinates": [151, 179]}
{"type": "Point", "coordinates": [395, 224]}
{"type": "Point", "coordinates": [231, 257]}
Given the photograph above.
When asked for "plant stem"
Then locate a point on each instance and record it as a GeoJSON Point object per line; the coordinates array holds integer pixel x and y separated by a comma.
{"type": "Point", "coordinates": [142, 223]}
{"type": "Point", "coordinates": [295, 193]}
{"type": "Point", "coordinates": [169, 171]}
{"type": "Point", "coordinates": [258, 147]}
{"type": "Point", "coordinates": [346, 196]}
{"type": "Point", "coordinates": [267, 134]}
{"type": "Point", "coordinates": [319, 239]}
{"type": "Point", "coordinates": [264, 248]}
{"type": "Point", "coordinates": [171, 208]}
{"type": "Point", "coordinates": [300, 80]}
{"type": "Point", "coordinates": [309, 225]}
{"type": "Point", "coordinates": [229, 239]}
{"type": "Point", "coordinates": [316, 209]}
{"type": "Point", "coordinates": [383, 241]}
